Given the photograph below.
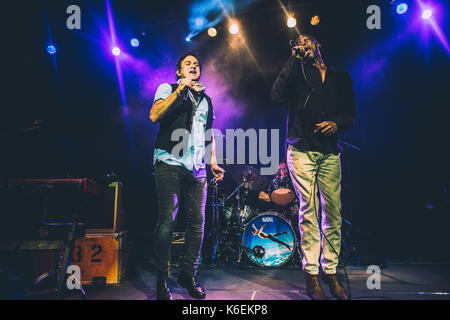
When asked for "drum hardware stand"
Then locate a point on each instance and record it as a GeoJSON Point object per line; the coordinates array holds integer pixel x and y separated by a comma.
{"type": "Point", "coordinates": [222, 247]}
{"type": "Point", "coordinates": [63, 262]}
{"type": "Point", "coordinates": [241, 249]}
{"type": "Point", "coordinates": [238, 198]}
{"type": "Point", "coordinates": [215, 221]}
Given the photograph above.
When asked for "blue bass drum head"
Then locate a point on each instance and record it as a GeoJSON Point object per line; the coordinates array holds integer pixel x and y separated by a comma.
{"type": "Point", "coordinates": [269, 240]}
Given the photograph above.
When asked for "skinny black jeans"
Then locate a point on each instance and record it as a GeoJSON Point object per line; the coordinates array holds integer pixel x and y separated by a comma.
{"type": "Point", "coordinates": [177, 185]}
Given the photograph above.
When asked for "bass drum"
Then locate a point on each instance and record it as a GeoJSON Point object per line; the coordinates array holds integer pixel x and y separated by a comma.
{"type": "Point", "coordinates": [269, 240]}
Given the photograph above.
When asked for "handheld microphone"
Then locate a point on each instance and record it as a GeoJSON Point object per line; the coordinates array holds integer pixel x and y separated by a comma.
{"type": "Point", "coordinates": [301, 53]}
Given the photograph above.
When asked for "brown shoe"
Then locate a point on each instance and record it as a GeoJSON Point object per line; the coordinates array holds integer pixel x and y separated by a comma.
{"type": "Point", "coordinates": [313, 288]}
{"type": "Point", "coordinates": [337, 290]}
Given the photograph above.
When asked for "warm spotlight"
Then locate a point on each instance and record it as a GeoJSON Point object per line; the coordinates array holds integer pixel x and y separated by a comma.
{"type": "Point", "coordinates": [116, 51]}
{"type": "Point", "coordinates": [51, 49]}
{"type": "Point", "coordinates": [212, 32]}
{"type": "Point", "coordinates": [426, 14]}
{"type": "Point", "coordinates": [402, 8]}
{"type": "Point", "coordinates": [234, 28]}
{"type": "Point", "coordinates": [315, 20]}
{"type": "Point", "coordinates": [134, 42]}
{"type": "Point", "coordinates": [291, 22]}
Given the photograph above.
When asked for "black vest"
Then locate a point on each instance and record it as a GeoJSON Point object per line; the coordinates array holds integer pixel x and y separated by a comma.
{"type": "Point", "coordinates": [179, 116]}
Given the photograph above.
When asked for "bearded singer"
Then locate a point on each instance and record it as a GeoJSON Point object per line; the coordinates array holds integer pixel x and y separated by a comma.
{"type": "Point", "coordinates": [321, 105]}
{"type": "Point", "coordinates": [181, 176]}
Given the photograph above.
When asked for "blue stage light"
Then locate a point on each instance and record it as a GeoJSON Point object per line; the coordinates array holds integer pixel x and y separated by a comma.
{"type": "Point", "coordinates": [402, 8]}
{"type": "Point", "coordinates": [188, 39]}
{"type": "Point", "coordinates": [134, 42]}
{"type": "Point", "coordinates": [51, 49]}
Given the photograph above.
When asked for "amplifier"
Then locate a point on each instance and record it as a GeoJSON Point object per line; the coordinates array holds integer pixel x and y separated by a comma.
{"type": "Point", "coordinates": [27, 204]}
{"type": "Point", "coordinates": [111, 216]}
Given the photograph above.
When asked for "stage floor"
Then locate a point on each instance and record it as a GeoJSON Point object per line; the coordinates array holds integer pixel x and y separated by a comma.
{"type": "Point", "coordinates": [398, 282]}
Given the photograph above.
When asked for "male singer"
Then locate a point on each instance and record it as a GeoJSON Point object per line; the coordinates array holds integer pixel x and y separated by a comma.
{"type": "Point", "coordinates": [181, 176]}
{"type": "Point", "coordinates": [321, 104]}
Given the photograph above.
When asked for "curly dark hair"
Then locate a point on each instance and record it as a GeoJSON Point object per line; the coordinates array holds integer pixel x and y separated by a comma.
{"type": "Point", "coordinates": [180, 60]}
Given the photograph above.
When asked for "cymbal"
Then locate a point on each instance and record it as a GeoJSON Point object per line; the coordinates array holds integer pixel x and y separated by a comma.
{"type": "Point", "coordinates": [248, 175]}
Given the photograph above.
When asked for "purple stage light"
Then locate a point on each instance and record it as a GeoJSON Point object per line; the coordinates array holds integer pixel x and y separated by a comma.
{"type": "Point", "coordinates": [116, 51]}
{"type": "Point", "coordinates": [432, 20]}
{"type": "Point", "coordinates": [426, 14]}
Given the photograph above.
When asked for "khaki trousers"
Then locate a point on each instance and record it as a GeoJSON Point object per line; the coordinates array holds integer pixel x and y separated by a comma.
{"type": "Point", "coordinates": [311, 172]}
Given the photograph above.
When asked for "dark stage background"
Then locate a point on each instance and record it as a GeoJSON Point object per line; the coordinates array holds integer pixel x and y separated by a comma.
{"type": "Point", "coordinates": [95, 116]}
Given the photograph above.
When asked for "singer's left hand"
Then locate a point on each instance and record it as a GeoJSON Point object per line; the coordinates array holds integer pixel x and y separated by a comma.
{"type": "Point", "coordinates": [197, 86]}
{"type": "Point", "coordinates": [218, 172]}
{"type": "Point", "coordinates": [327, 128]}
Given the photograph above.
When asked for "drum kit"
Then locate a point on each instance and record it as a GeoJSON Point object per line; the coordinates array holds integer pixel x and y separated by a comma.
{"type": "Point", "coordinates": [263, 231]}
{"type": "Point", "coordinates": [248, 230]}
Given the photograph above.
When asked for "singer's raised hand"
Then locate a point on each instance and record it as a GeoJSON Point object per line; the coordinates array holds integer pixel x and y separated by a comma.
{"type": "Point", "coordinates": [197, 86]}
{"type": "Point", "coordinates": [185, 83]}
{"type": "Point", "coordinates": [298, 51]}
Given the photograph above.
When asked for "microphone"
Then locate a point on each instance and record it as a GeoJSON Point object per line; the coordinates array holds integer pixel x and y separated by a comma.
{"type": "Point", "coordinates": [197, 86]}
{"type": "Point", "coordinates": [293, 43]}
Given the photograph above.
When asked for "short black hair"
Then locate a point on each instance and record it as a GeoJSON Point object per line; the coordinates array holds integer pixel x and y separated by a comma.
{"type": "Point", "coordinates": [180, 60]}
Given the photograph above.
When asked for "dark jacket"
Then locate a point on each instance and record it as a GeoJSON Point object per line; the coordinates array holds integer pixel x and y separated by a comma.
{"type": "Point", "coordinates": [311, 102]}
{"type": "Point", "coordinates": [179, 116]}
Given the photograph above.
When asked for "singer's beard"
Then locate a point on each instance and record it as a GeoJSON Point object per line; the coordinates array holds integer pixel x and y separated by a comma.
{"type": "Point", "coordinates": [310, 56]}
{"type": "Point", "coordinates": [309, 59]}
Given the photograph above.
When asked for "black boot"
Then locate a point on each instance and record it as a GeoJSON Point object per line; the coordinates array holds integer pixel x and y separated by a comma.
{"type": "Point", "coordinates": [190, 283]}
{"type": "Point", "coordinates": [162, 290]}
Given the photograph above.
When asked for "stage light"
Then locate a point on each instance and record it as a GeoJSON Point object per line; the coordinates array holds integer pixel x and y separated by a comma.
{"type": "Point", "coordinates": [134, 42]}
{"type": "Point", "coordinates": [234, 28]}
{"type": "Point", "coordinates": [188, 39]}
{"type": "Point", "coordinates": [426, 14]}
{"type": "Point", "coordinates": [116, 51]}
{"type": "Point", "coordinates": [200, 22]}
{"type": "Point", "coordinates": [291, 22]}
{"type": "Point", "coordinates": [51, 49]}
{"type": "Point", "coordinates": [315, 20]}
{"type": "Point", "coordinates": [212, 32]}
{"type": "Point", "coordinates": [402, 8]}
